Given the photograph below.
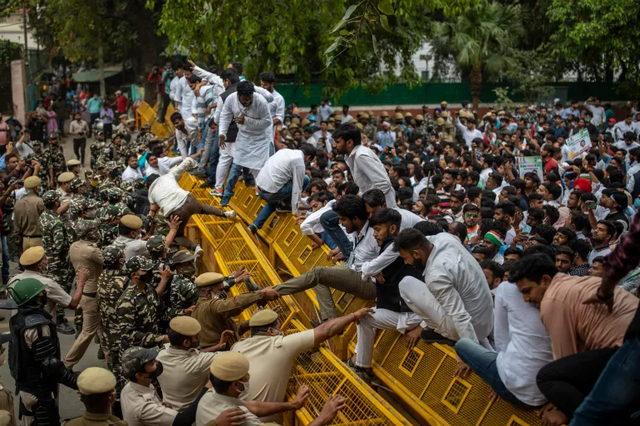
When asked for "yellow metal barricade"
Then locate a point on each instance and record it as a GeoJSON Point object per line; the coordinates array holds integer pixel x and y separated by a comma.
{"type": "Point", "coordinates": [422, 378]}
{"type": "Point", "coordinates": [147, 115]}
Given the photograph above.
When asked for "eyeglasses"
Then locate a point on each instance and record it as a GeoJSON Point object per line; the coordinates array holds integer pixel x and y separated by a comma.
{"type": "Point", "coordinates": [470, 215]}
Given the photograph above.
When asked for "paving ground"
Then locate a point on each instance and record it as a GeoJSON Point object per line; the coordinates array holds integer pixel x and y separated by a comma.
{"type": "Point", "coordinates": [70, 405]}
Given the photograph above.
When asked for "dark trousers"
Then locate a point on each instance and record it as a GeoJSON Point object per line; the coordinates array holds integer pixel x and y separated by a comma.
{"type": "Point", "coordinates": [187, 417]}
{"type": "Point", "coordinates": [60, 122]}
{"type": "Point", "coordinates": [190, 207]}
{"type": "Point", "coordinates": [93, 118]}
{"type": "Point", "coordinates": [79, 148]}
{"type": "Point", "coordinates": [567, 381]}
{"type": "Point", "coordinates": [166, 100]}
{"type": "Point", "coordinates": [107, 128]}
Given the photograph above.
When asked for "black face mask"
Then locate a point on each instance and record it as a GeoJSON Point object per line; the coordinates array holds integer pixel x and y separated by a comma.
{"type": "Point", "coordinates": [158, 371]}
{"type": "Point", "coordinates": [146, 278]}
{"type": "Point", "coordinates": [43, 300]}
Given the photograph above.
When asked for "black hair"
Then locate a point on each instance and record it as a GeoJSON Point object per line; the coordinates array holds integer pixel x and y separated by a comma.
{"type": "Point", "coordinates": [385, 215]}
{"type": "Point", "coordinates": [374, 198]}
{"type": "Point", "coordinates": [460, 231]}
{"type": "Point", "coordinates": [96, 402]}
{"type": "Point", "coordinates": [230, 75]}
{"type": "Point", "coordinates": [237, 67]}
{"type": "Point", "coordinates": [497, 178]}
{"type": "Point", "coordinates": [175, 338]}
{"type": "Point", "coordinates": [599, 259]}
{"type": "Point", "coordinates": [554, 189]}
{"type": "Point", "coordinates": [513, 250]}
{"type": "Point", "coordinates": [473, 192]}
{"type": "Point", "coordinates": [193, 79]}
{"type": "Point", "coordinates": [496, 269]}
{"type": "Point", "coordinates": [268, 77]}
{"type": "Point", "coordinates": [533, 267]}
{"type": "Point", "coordinates": [220, 386]}
{"type": "Point", "coordinates": [411, 239]}
{"type": "Point", "coordinates": [545, 231]}
{"type": "Point", "coordinates": [404, 193]}
{"type": "Point", "coordinates": [470, 207]}
{"type": "Point", "coordinates": [428, 228]}
{"type": "Point", "coordinates": [581, 247]}
{"type": "Point", "coordinates": [348, 131]}
{"type": "Point", "coordinates": [246, 88]}
{"type": "Point", "coordinates": [611, 227]}
{"type": "Point", "coordinates": [458, 195]}
{"type": "Point", "coordinates": [124, 229]}
{"type": "Point", "coordinates": [507, 207]}
{"type": "Point", "coordinates": [564, 249]}
{"type": "Point", "coordinates": [570, 233]}
{"type": "Point", "coordinates": [152, 179]}
{"type": "Point", "coordinates": [176, 116]}
{"type": "Point", "coordinates": [263, 328]}
{"type": "Point", "coordinates": [350, 206]}
{"type": "Point", "coordinates": [157, 151]}
{"type": "Point", "coordinates": [552, 213]}
{"type": "Point", "coordinates": [308, 149]}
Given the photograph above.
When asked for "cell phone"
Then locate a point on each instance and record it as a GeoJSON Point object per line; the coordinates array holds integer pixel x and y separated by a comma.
{"type": "Point", "coordinates": [590, 205]}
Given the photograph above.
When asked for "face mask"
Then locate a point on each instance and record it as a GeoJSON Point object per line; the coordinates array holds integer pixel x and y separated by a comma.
{"type": "Point", "coordinates": [147, 278]}
{"type": "Point", "coordinates": [188, 270]}
{"type": "Point", "coordinates": [43, 300]}
{"type": "Point", "coordinates": [158, 371]}
{"type": "Point", "coordinates": [245, 391]}
{"type": "Point", "coordinates": [195, 343]}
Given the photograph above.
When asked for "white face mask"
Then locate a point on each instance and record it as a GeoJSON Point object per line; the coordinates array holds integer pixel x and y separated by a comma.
{"type": "Point", "coordinates": [245, 390]}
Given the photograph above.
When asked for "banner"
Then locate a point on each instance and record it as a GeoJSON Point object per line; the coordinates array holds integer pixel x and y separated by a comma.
{"type": "Point", "coordinates": [578, 144]}
{"type": "Point", "coordinates": [530, 164]}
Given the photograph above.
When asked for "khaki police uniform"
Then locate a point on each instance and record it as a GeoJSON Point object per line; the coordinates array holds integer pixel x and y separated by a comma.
{"type": "Point", "coordinates": [96, 380]}
{"type": "Point", "coordinates": [186, 371]}
{"type": "Point", "coordinates": [216, 315]}
{"type": "Point", "coordinates": [230, 367]}
{"type": "Point", "coordinates": [271, 359]}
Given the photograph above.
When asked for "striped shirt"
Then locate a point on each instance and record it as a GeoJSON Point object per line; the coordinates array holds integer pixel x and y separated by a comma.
{"type": "Point", "coordinates": [206, 98]}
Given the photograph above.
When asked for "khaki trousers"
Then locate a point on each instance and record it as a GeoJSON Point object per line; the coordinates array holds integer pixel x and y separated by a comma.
{"type": "Point", "coordinates": [28, 242]}
{"type": "Point", "coordinates": [90, 326]}
{"type": "Point", "coordinates": [323, 279]}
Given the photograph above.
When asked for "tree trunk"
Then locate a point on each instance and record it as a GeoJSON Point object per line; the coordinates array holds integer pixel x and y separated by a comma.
{"type": "Point", "coordinates": [476, 85]}
{"type": "Point", "coordinates": [103, 87]}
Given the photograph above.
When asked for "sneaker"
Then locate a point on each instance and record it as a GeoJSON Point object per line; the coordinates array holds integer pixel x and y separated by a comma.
{"type": "Point", "coordinates": [64, 328]}
{"type": "Point", "coordinates": [253, 229]}
{"type": "Point", "coordinates": [230, 214]}
{"type": "Point", "coordinates": [198, 172]}
{"type": "Point", "coordinates": [197, 251]}
{"type": "Point", "coordinates": [283, 209]}
{"type": "Point", "coordinates": [250, 182]}
{"type": "Point", "coordinates": [225, 201]}
{"type": "Point", "coordinates": [206, 184]}
{"type": "Point", "coordinates": [430, 336]}
{"type": "Point", "coordinates": [216, 192]}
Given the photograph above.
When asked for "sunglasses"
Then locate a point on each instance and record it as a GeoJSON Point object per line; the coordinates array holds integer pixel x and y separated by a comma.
{"type": "Point", "coordinates": [470, 215]}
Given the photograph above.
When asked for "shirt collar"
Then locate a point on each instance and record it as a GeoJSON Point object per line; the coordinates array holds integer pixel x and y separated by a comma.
{"type": "Point", "coordinates": [142, 389]}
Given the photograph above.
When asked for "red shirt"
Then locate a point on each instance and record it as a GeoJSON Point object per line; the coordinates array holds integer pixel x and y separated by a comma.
{"type": "Point", "coordinates": [549, 165]}
{"type": "Point", "coordinates": [121, 102]}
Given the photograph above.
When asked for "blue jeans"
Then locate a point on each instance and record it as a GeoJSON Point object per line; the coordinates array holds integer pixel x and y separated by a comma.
{"type": "Point", "coordinates": [328, 241]}
{"type": "Point", "coordinates": [234, 174]}
{"type": "Point", "coordinates": [483, 362]}
{"type": "Point", "coordinates": [331, 225]}
{"type": "Point", "coordinates": [616, 394]}
{"type": "Point", "coordinates": [284, 195]}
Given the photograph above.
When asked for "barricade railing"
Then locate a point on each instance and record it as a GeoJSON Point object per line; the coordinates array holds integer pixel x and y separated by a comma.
{"type": "Point", "coordinates": [422, 377]}
{"type": "Point", "coordinates": [147, 115]}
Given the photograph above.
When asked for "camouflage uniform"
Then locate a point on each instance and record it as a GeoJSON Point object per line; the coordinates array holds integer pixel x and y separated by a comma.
{"type": "Point", "coordinates": [44, 160]}
{"type": "Point", "coordinates": [184, 294]}
{"type": "Point", "coordinates": [108, 231]}
{"type": "Point", "coordinates": [137, 312]}
{"type": "Point", "coordinates": [56, 156]}
{"type": "Point", "coordinates": [427, 123]}
{"type": "Point", "coordinates": [55, 242]}
{"type": "Point", "coordinates": [110, 287]}
{"type": "Point", "coordinates": [369, 131]}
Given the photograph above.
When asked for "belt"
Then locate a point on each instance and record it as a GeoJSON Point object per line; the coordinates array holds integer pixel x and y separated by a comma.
{"type": "Point", "coordinates": [94, 294]}
{"type": "Point", "coordinates": [32, 236]}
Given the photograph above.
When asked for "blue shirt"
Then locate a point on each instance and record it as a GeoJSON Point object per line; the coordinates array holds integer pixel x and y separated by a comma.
{"type": "Point", "coordinates": [94, 105]}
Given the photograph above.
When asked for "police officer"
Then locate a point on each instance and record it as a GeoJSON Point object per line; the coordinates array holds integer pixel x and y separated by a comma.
{"type": "Point", "coordinates": [186, 369]}
{"type": "Point", "coordinates": [26, 215]}
{"type": "Point", "coordinates": [129, 230]}
{"type": "Point", "coordinates": [34, 355]}
{"type": "Point", "coordinates": [184, 292]}
{"type": "Point", "coordinates": [270, 352]}
{"type": "Point", "coordinates": [74, 167]}
{"type": "Point", "coordinates": [215, 312]}
{"type": "Point", "coordinates": [141, 405]}
{"type": "Point", "coordinates": [111, 284]}
{"type": "Point", "coordinates": [97, 392]}
{"type": "Point", "coordinates": [56, 242]}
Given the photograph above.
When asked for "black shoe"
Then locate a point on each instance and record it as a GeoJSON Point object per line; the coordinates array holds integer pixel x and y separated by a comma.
{"type": "Point", "coordinates": [283, 209]}
{"type": "Point", "coordinates": [431, 336]}
{"type": "Point", "coordinates": [64, 328]}
{"type": "Point", "coordinates": [207, 184]}
{"type": "Point", "coordinates": [251, 286]}
{"type": "Point", "coordinates": [101, 354]}
{"type": "Point", "coordinates": [198, 173]}
{"type": "Point", "coordinates": [250, 182]}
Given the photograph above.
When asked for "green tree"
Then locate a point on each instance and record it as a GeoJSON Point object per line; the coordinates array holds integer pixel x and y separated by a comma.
{"type": "Point", "coordinates": [343, 43]}
{"type": "Point", "coordinates": [480, 40]}
{"type": "Point", "coordinates": [599, 37]}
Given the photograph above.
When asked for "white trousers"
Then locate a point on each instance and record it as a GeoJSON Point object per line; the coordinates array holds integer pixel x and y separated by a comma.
{"type": "Point", "coordinates": [224, 163]}
{"type": "Point", "coordinates": [421, 301]}
{"type": "Point", "coordinates": [383, 319]}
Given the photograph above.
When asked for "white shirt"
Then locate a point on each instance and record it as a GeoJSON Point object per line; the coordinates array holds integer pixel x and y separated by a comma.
{"type": "Point", "coordinates": [149, 170]}
{"type": "Point", "coordinates": [212, 404]}
{"type": "Point", "coordinates": [468, 135]}
{"type": "Point", "coordinates": [602, 252]}
{"type": "Point", "coordinates": [631, 181]}
{"type": "Point", "coordinates": [328, 140]}
{"type": "Point", "coordinates": [455, 278]}
{"type": "Point", "coordinates": [130, 174]}
{"type": "Point", "coordinates": [276, 107]}
{"type": "Point", "coordinates": [186, 138]}
{"type": "Point", "coordinates": [166, 192]}
{"type": "Point", "coordinates": [286, 165]}
{"type": "Point", "coordinates": [623, 145]}
{"type": "Point", "coordinates": [368, 173]}
{"type": "Point", "coordinates": [252, 143]}
{"type": "Point", "coordinates": [175, 89]}
{"type": "Point", "coordinates": [346, 118]}
{"type": "Point", "coordinates": [142, 407]}
{"type": "Point", "coordinates": [365, 248]}
{"type": "Point", "coordinates": [409, 219]}
{"type": "Point", "coordinates": [621, 127]}
{"type": "Point", "coordinates": [56, 296]}
{"type": "Point", "coordinates": [599, 114]}
{"type": "Point", "coordinates": [522, 343]}
{"type": "Point", "coordinates": [187, 99]}
{"type": "Point", "coordinates": [166, 163]}
{"type": "Point", "coordinates": [325, 112]}
{"type": "Point", "coordinates": [311, 224]}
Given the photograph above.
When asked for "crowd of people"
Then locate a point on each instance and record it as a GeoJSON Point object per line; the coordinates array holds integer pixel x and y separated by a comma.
{"type": "Point", "coordinates": [532, 278]}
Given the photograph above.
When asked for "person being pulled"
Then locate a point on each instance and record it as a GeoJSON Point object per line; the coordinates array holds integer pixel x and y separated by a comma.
{"type": "Point", "coordinates": [34, 355]}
